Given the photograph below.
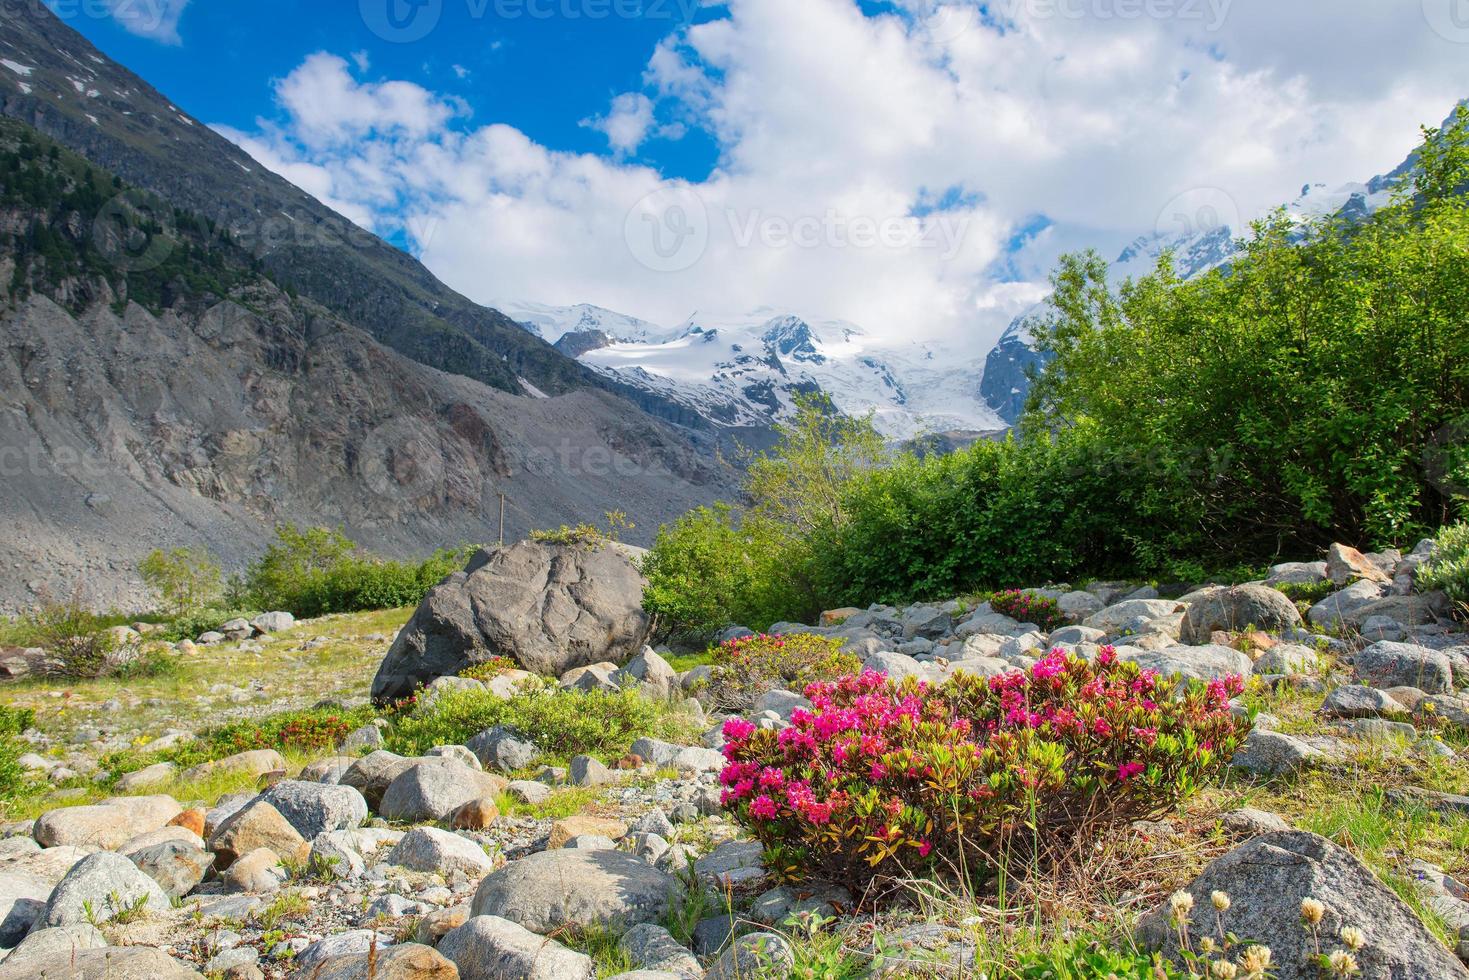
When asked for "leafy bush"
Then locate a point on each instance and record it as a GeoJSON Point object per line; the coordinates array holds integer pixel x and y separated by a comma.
{"type": "Point", "coordinates": [489, 669]}
{"type": "Point", "coordinates": [587, 535]}
{"type": "Point", "coordinates": [184, 579]}
{"type": "Point", "coordinates": [746, 667]}
{"type": "Point", "coordinates": [309, 730]}
{"type": "Point", "coordinates": [698, 573]}
{"type": "Point", "coordinates": [13, 779]}
{"type": "Point", "coordinates": [191, 625]}
{"type": "Point", "coordinates": [317, 571]}
{"type": "Point", "coordinates": [76, 640]}
{"type": "Point", "coordinates": [882, 779]}
{"type": "Point", "coordinates": [562, 723]}
{"type": "Point", "coordinates": [1027, 607]}
{"type": "Point", "coordinates": [1448, 568]}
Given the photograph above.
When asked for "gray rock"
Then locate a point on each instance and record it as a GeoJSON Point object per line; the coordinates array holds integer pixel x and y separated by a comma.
{"type": "Point", "coordinates": [1378, 729]}
{"type": "Point", "coordinates": [1077, 606]}
{"type": "Point", "coordinates": [780, 903]}
{"type": "Point", "coordinates": [459, 753]}
{"type": "Point", "coordinates": [1267, 878]}
{"type": "Point", "coordinates": [649, 671]}
{"type": "Point", "coordinates": [1234, 608]}
{"type": "Point", "coordinates": [551, 889]}
{"type": "Point", "coordinates": [1376, 628]}
{"type": "Point", "coordinates": [1267, 753]}
{"type": "Point", "coordinates": [373, 773]}
{"type": "Point", "coordinates": [341, 945]}
{"type": "Point", "coordinates": [403, 961]}
{"type": "Point", "coordinates": [108, 824]}
{"type": "Point", "coordinates": [1251, 822]}
{"type": "Point", "coordinates": [177, 866]}
{"type": "Point", "coordinates": [1113, 619]}
{"type": "Point", "coordinates": [1356, 701]}
{"type": "Point", "coordinates": [329, 771]}
{"type": "Point", "coordinates": [586, 771]}
{"type": "Point", "coordinates": [433, 789]}
{"type": "Point", "coordinates": [651, 947]}
{"type": "Point", "coordinates": [652, 822]}
{"type": "Point", "coordinates": [590, 842]}
{"type": "Point", "coordinates": [316, 808]}
{"type": "Point", "coordinates": [755, 955]}
{"type": "Point", "coordinates": [487, 947]}
{"type": "Point", "coordinates": [529, 791]}
{"type": "Point", "coordinates": [1337, 607]}
{"type": "Point", "coordinates": [431, 849]}
{"type": "Point", "coordinates": [1346, 564]}
{"type": "Point", "coordinates": [896, 665]}
{"type": "Point", "coordinates": [42, 943]}
{"type": "Point", "coordinates": [780, 701]}
{"type": "Point", "coordinates": [109, 883]}
{"type": "Point", "coordinates": [273, 622]}
{"type": "Point", "coordinates": [1208, 662]}
{"type": "Point", "coordinates": [22, 901]}
{"type": "Point", "coordinates": [1074, 635]}
{"type": "Point", "coordinates": [713, 934]}
{"type": "Point", "coordinates": [1297, 573]}
{"type": "Point", "coordinates": [1385, 664]}
{"type": "Point", "coordinates": [230, 959]}
{"type": "Point", "coordinates": [368, 737]}
{"type": "Point", "coordinates": [503, 749]}
{"type": "Point", "coordinates": [548, 607]}
{"type": "Point", "coordinates": [733, 863]}
{"type": "Point", "coordinates": [1287, 658]}
{"type": "Point", "coordinates": [102, 963]}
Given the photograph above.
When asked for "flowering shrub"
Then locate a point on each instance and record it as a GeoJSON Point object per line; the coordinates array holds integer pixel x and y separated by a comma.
{"type": "Point", "coordinates": [747, 667]}
{"type": "Point", "coordinates": [882, 778]}
{"type": "Point", "coordinates": [1027, 607]}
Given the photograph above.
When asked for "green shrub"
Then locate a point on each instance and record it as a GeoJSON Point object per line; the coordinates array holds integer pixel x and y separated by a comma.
{"type": "Point", "coordinates": [308, 730]}
{"type": "Point", "coordinates": [317, 571]}
{"type": "Point", "coordinates": [489, 669]}
{"type": "Point", "coordinates": [587, 535]}
{"type": "Point", "coordinates": [1448, 568]}
{"type": "Point", "coordinates": [1028, 607]}
{"type": "Point", "coordinates": [185, 580]}
{"type": "Point", "coordinates": [562, 723]}
{"type": "Point", "coordinates": [698, 573]}
{"type": "Point", "coordinates": [746, 667]}
{"type": "Point", "coordinates": [884, 780]}
{"type": "Point", "coordinates": [75, 639]}
{"type": "Point", "coordinates": [194, 624]}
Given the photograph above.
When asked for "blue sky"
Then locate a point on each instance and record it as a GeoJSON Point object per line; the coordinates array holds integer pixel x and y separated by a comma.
{"type": "Point", "coordinates": [912, 166]}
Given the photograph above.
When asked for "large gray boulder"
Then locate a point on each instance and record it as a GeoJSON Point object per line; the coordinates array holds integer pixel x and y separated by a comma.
{"type": "Point", "coordinates": [1267, 877]}
{"type": "Point", "coordinates": [105, 963]}
{"type": "Point", "coordinates": [22, 900]}
{"type": "Point", "coordinates": [315, 808]}
{"type": "Point", "coordinates": [108, 883]}
{"type": "Point", "coordinates": [429, 849]}
{"type": "Point", "coordinates": [1208, 662]}
{"type": "Point", "coordinates": [1124, 614]}
{"type": "Point", "coordinates": [575, 887]}
{"type": "Point", "coordinates": [1231, 608]}
{"type": "Point", "coordinates": [487, 947]}
{"type": "Point", "coordinates": [548, 607]}
{"type": "Point", "coordinates": [1385, 664]}
{"type": "Point", "coordinates": [434, 788]}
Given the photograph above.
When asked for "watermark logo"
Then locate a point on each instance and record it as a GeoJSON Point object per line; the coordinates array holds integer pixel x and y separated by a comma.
{"type": "Point", "coordinates": [403, 459]}
{"type": "Point", "coordinates": [668, 230]}
{"type": "Point", "coordinates": [1198, 212]}
{"type": "Point", "coordinates": [401, 21]}
{"type": "Point", "coordinates": [1449, 19]}
{"type": "Point", "coordinates": [134, 232]}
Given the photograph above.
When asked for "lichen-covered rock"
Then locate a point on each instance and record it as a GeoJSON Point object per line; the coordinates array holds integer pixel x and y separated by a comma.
{"type": "Point", "coordinates": [1235, 608]}
{"type": "Point", "coordinates": [548, 607]}
{"type": "Point", "coordinates": [1266, 879]}
{"type": "Point", "coordinates": [315, 808]}
{"type": "Point", "coordinates": [563, 887]}
{"type": "Point", "coordinates": [488, 947]}
{"type": "Point", "coordinates": [1385, 664]}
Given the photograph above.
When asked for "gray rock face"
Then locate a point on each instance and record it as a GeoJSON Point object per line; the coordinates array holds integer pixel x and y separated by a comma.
{"type": "Point", "coordinates": [431, 849]}
{"type": "Point", "coordinates": [22, 901]}
{"type": "Point", "coordinates": [1207, 662]}
{"type": "Point", "coordinates": [102, 963]}
{"type": "Point", "coordinates": [1117, 617]}
{"type": "Point", "coordinates": [1337, 607]}
{"type": "Point", "coordinates": [407, 961]}
{"type": "Point", "coordinates": [1231, 608]}
{"type": "Point", "coordinates": [42, 943]}
{"type": "Point", "coordinates": [433, 789]}
{"type": "Point", "coordinates": [1357, 701]}
{"type": "Point", "coordinates": [177, 866]}
{"type": "Point", "coordinates": [548, 607]}
{"type": "Point", "coordinates": [649, 671]}
{"type": "Point", "coordinates": [651, 947]}
{"type": "Point", "coordinates": [1385, 664]}
{"type": "Point", "coordinates": [372, 774]}
{"type": "Point", "coordinates": [503, 749]}
{"type": "Point", "coordinates": [575, 887]}
{"type": "Point", "coordinates": [1267, 753]}
{"type": "Point", "coordinates": [315, 808]}
{"type": "Point", "coordinates": [756, 955]}
{"type": "Point", "coordinates": [1287, 658]}
{"type": "Point", "coordinates": [1267, 878]}
{"type": "Point", "coordinates": [110, 883]}
{"type": "Point", "coordinates": [488, 947]}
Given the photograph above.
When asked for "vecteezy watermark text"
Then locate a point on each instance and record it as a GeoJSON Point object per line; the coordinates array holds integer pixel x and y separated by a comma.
{"type": "Point", "coordinates": [407, 21]}
{"type": "Point", "coordinates": [1210, 14]}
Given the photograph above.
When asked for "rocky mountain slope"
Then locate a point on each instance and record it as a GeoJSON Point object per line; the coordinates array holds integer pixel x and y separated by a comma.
{"type": "Point", "coordinates": [187, 396]}
{"type": "Point", "coordinates": [747, 369]}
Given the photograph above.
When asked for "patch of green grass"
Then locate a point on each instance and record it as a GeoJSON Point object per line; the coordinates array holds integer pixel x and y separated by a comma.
{"type": "Point", "coordinates": [601, 944]}
{"type": "Point", "coordinates": [682, 662]}
{"type": "Point", "coordinates": [560, 804]}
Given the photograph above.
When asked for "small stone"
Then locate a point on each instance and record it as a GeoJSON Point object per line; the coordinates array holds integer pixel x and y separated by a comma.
{"type": "Point", "coordinates": [433, 850]}
{"type": "Point", "coordinates": [258, 871]}
{"type": "Point", "coordinates": [581, 825]}
{"type": "Point", "coordinates": [477, 814]}
{"type": "Point", "coordinates": [191, 820]}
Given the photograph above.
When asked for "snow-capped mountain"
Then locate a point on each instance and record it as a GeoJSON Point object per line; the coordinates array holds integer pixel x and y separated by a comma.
{"type": "Point", "coordinates": [747, 369]}
{"type": "Point", "coordinates": [1005, 383]}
